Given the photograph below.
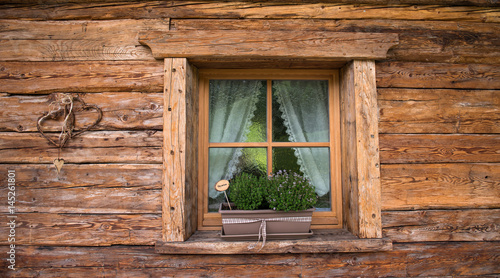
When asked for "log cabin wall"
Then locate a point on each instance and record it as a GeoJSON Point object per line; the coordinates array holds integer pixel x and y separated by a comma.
{"type": "Point", "coordinates": [439, 106]}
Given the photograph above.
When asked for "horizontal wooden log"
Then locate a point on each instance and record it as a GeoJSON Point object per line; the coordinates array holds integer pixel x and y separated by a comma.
{"type": "Point", "coordinates": [423, 41]}
{"type": "Point", "coordinates": [432, 186]}
{"type": "Point", "coordinates": [75, 40]}
{"type": "Point", "coordinates": [437, 75]}
{"type": "Point", "coordinates": [442, 225]}
{"type": "Point", "coordinates": [434, 41]}
{"type": "Point", "coordinates": [267, 10]}
{"type": "Point", "coordinates": [89, 147]}
{"type": "Point", "coordinates": [235, 44]}
{"type": "Point", "coordinates": [45, 77]}
{"type": "Point", "coordinates": [87, 200]}
{"type": "Point", "coordinates": [323, 241]}
{"type": "Point", "coordinates": [130, 111]}
{"type": "Point", "coordinates": [406, 260]}
{"type": "Point", "coordinates": [84, 229]}
{"type": "Point", "coordinates": [439, 111]}
{"type": "Point", "coordinates": [485, 3]}
{"type": "Point", "coordinates": [40, 176]}
{"type": "Point", "coordinates": [439, 148]}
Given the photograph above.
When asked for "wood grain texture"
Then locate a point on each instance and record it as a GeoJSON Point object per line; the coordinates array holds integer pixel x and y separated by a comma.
{"type": "Point", "coordinates": [75, 40]}
{"type": "Point", "coordinates": [442, 225]}
{"type": "Point", "coordinates": [326, 241]}
{"type": "Point", "coordinates": [81, 77]}
{"type": "Point", "coordinates": [80, 40]}
{"type": "Point", "coordinates": [90, 147]}
{"type": "Point", "coordinates": [127, 110]}
{"type": "Point", "coordinates": [445, 186]}
{"type": "Point", "coordinates": [422, 41]}
{"type": "Point", "coordinates": [439, 111]}
{"type": "Point", "coordinates": [360, 147]}
{"type": "Point", "coordinates": [235, 44]}
{"type": "Point", "coordinates": [92, 176]}
{"type": "Point", "coordinates": [174, 147]}
{"type": "Point", "coordinates": [485, 3]}
{"type": "Point", "coordinates": [75, 229]}
{"type": "Point", "coordinates": [406, 260]}
{"type": "Point", "coordinates": [257, 10]}
{"type": "Point", "coordinates": [87, 200]}
{"type": "Point", "coordinates": [437, 75]}
{"type": "Point", "coordinates": [439, 148]}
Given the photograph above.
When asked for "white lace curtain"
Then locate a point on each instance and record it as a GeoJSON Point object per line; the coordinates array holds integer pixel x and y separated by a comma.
{"type": "Point", "coordinates": [304, 107]}
{"type": "Point", "coordinates": [232, 105]}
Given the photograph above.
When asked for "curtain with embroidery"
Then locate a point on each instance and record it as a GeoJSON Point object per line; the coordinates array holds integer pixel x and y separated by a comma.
{"type": "Point", "coordinates": [304, 107]}
{"type": "Point", "coordinates": [232, 104]}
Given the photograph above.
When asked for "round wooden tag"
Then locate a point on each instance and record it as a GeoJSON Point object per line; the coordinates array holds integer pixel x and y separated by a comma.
{"type": "Point", "coordinates": [222, 185]}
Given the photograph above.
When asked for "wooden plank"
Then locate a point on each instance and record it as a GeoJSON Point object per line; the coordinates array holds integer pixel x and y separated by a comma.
{"type": "Point", "coordinates": [437, 75]}
{"type": "Point", "coordinates": [84, 229]}
{"type": "Point", "coordinates": [268, 44]}
{"type": "Point", "coordinates": [360, 170]}
{"type": "Point", "coordinates": [127, 110]}
{"type": "Point", "coordinates": [442, 225]}
{"type": "Point", "coordinates": [39, 176]}
{"type": "Point", "coordinates": [87, 200]}
{"type": "Point", "coordinates": [192, 141]}
{"type": "Point", "coordinates": [408, 260]}
{"type": "Point", "coordinates": [268, 10]}
{"type": "Point", "coordinates": [89, 147]}
{"type": "Point", "coordinates": [422, 41]}
{"type": "Point", "coordinates": [439, 111]}
{"type": "Point", "coordinates": [350, 206]}
{"type": "Point", "coordinates": [75, 40]}
{"type": "Point", "coordinates": [81, 77]}
{"type": "Point", "coordinates": [327, 241]}
{"type": "Point", "coordinates": [445, 186]}
{"type": "Point", "coordinates": [439, 148]}
{"type": "Point", "coordinates": [405, 260]}
{"type": "Point", "coordinates": [485, 3]}
{"type": "Point", "coordinates": [174, 146]}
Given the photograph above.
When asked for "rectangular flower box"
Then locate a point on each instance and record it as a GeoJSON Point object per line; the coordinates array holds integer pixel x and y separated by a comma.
{"type": "Point", "coordinates": [276, 224]}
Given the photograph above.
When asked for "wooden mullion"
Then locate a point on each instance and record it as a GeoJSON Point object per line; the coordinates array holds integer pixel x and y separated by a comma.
{"type": "Point", "coordinates": [269, 118]}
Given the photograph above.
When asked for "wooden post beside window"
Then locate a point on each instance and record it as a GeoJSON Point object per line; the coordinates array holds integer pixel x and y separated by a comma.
{"type": "Point", "coordinates": [360, 153]}
{"type": "Point", "coordinates": [180, 121]}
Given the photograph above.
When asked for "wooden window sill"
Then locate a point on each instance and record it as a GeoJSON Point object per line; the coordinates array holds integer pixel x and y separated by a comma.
{"type": "Point", "coordinates": [323, 241]}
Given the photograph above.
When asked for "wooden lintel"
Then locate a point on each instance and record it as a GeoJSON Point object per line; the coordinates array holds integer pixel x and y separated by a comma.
{"type": "Point", "coordinates": [324, 241]}
{"type": "Point", "coordinates": [244, 44]}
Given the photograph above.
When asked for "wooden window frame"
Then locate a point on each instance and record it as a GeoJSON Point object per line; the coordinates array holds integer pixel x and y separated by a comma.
{"type": "Point", "coordinates": [357, 52]}
{"type": "Point", "coordinates": [321, 220]}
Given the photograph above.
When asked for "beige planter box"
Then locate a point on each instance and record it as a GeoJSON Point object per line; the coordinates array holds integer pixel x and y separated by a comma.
{"type": "Point", "coordinates": [248, 224]}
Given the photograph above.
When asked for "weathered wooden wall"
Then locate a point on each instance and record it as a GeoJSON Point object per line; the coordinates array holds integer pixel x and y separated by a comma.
{"type": "Point", "coordinates": [439, 104]}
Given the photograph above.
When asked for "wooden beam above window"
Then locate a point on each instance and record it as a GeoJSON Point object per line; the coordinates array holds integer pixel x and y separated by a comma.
{"type": "Point", "coordinates": [252, 44]}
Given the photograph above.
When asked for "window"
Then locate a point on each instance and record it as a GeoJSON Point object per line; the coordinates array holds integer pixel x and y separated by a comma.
{"type": "Point", "coordinates": [353, 53]}
{"type": "Point", "coordinates": [262, 121]}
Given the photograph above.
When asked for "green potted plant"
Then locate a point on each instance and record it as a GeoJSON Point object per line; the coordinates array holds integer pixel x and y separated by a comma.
{"type": "Point", "coordinates": [279, 206]}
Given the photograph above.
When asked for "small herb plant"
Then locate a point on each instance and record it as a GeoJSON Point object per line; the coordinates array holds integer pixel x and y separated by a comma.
{"type": "Point", "coordinates": [289, 191]}
{"type": "Point", "coordinates": [247, 191]}
{"type": "Point", "coordinates": [284, 191]}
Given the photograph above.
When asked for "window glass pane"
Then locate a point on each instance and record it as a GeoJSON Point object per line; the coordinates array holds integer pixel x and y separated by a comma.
{"type": "Point", "coordinates": [237, 111]}
{"type": "Point", "coordinates": [225, 163]}
{"type": "Point", "coordinates": [300, 111]}
{"type": "Point", "coordinates": [314, 163]}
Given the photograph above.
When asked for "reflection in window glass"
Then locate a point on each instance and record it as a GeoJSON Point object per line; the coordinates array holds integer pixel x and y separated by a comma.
{"type": "Point", "coordinates": [237, 111]}
{"type": "Point", "coordinates": [313, 163]}
{"type": "Point", "coordinates": [248, 160]}
{"type": "Point", "coordinates": [300, 111]}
